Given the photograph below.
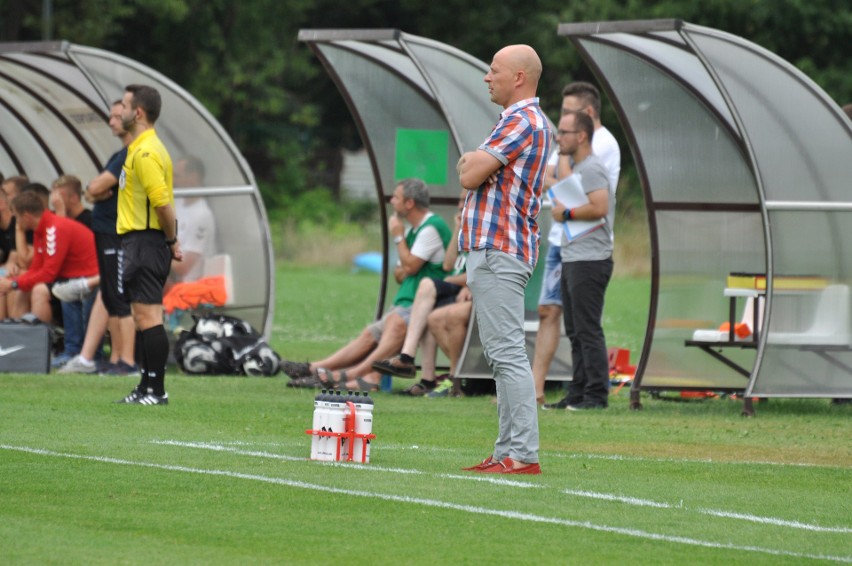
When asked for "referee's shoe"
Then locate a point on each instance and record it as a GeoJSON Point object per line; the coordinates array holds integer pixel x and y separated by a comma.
{"type": "Point", "coordinates": [152, 399]}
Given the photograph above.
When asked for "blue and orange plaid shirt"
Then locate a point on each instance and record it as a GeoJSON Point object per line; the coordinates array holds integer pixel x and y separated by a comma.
{"type": "Point", "coordinates": [502, 215]}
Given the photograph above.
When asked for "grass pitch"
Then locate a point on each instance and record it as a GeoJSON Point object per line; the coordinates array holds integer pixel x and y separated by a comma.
{"type": "Point", "coordinates": [220, 476]}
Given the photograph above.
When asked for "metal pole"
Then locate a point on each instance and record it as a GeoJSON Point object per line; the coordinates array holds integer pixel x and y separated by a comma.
{"type": "Point", "coordinates": [46, 19]}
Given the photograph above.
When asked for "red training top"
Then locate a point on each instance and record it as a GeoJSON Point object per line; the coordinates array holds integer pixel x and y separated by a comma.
{"type": "Point", "coordinates": [63, 249]}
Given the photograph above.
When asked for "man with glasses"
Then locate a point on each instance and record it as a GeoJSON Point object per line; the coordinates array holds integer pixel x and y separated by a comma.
{"type": "Point", "coordinates": [576, 97]}
{"type": "Point", "coordinates": [586, 267]}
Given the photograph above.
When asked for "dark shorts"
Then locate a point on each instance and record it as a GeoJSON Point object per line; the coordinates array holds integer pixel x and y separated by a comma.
{"type": "Point", "coordinates": [109, 251]}
{"type": "Point", "coordinates": [144, 266]}
{"type": "Point", "coordinates": [446, 293]}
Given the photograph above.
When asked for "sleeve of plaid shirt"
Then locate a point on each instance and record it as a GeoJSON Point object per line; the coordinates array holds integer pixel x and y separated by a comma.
{"type": "Point", "coordinates": [510, 138]}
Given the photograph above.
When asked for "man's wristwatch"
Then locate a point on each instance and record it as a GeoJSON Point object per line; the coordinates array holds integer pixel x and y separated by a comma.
{"type": "Point", "coordinates": [397, 239]}
{"type": "Point", "coordinates": [171, 242]}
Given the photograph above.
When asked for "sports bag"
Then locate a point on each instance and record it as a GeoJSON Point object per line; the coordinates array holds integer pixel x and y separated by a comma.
{"type": "Point", "coordinates": [219, 344]}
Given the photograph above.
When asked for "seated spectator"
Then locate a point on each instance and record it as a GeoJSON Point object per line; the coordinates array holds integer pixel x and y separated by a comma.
{"type": "Point", "coordinates": [431, 294]}
{"type": "Point", "coordinates": [66, 198]}
{"type": "Point", "coordinates": [63, 249]}
{"type": "Point", "coordinates": [196, 223]}
{"type": "Point", "coordinates": [449, 327]}
{"type": "Point", "coordinates": [7, 243]}
{"type": "Point", "coordinates": [421, 254]}
{"type": "Point", "coordinates": [11, 188]}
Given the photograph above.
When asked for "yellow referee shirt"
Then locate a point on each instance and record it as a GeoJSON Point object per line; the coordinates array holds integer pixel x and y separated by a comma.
{"type": "Point", "coordinates": [145, 184]}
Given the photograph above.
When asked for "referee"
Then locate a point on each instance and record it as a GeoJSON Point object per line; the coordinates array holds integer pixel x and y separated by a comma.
{"type": "Point", "coordinates": [148, 229]}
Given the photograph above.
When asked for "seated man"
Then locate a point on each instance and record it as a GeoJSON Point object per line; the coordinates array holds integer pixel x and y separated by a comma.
{"type": "Point", "coordinates": [421, 254]}
{"type": "Point", "coordinates": [196, 223]}
{"type": "Point", "coordinates": [14, 306]}
{"type": "Point", "coordinates": [66, 198]}
{"type": "Point", "coordinates": [63, 249]}
{"type": "Point", "coordinates": [449, 327]}
{"type": "Point", "coordinates": [432, 293]}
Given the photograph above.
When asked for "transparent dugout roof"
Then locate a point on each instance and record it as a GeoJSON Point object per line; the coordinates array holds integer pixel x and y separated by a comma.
{"type": "Point", "coordinates": [419, 104]}
{"type": "Point", "coordinates": [747, 196]}
{"type": "Point", "coordinates": [54, 104]}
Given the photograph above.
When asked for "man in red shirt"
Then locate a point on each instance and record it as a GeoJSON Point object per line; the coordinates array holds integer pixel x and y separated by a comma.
{"type": "Point", "coordinates": [63, 249]}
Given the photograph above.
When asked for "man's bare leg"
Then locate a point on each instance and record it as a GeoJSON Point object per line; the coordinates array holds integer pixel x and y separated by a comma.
{"type": "Point", "coordinates": [350, 354]}
{"type": "Point", "coordinates": [424, 302]}
{"type": "Point", "coordinates": [546, 343]}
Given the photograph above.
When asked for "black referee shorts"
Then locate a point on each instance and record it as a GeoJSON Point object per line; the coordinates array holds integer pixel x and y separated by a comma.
{"type": "Point", "coordinates": [144, 266]}
{"type": "Point", "coordinates": [109, 250]}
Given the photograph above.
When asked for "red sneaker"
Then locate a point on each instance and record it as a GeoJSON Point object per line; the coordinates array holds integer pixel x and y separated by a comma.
{"type": "Point", "coordinates": [507, 466]}
{"type": "Point", "coordinates": [490, 461]}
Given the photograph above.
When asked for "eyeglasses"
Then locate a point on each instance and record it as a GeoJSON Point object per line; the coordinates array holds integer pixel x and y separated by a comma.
{"type": "Point", "coordinates": [564, 132]}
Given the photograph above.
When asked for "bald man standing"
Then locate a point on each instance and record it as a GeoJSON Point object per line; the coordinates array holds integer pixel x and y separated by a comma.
{"type": "Point", "coordinates": [504, 177]}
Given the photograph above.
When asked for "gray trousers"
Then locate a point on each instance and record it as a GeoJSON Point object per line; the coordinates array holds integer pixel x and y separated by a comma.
{"type": "Point", "coordinates": [497, 282]}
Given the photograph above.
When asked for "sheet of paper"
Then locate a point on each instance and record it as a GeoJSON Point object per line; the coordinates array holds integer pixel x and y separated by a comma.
{"type": "Point", "coordinates": [570, 193]}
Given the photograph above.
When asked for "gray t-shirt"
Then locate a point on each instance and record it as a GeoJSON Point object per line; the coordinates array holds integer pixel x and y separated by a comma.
{"type": "Point", "coordinates": [595, 245]}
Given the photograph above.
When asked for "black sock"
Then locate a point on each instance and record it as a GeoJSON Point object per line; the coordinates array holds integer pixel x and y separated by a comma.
{"type": "Point", "coordinates": [427, 384]}
{"type": "Point", "coordinates": [406, 358]}
{"type": "Point", "coordinates": [141, 362]}
{"type": "Point", "coordinates": [156, 345]}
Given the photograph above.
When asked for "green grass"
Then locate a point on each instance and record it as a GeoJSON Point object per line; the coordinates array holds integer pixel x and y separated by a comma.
{"type": "Point", "coordinates": [220, 476]}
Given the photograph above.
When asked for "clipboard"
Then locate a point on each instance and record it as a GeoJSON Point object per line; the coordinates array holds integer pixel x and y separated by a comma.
{"type": "Point", "coordinates": [570, 194]}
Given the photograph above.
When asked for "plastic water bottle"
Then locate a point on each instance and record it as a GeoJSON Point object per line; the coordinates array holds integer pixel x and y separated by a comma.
{"type": "Point", "coordinates": [323, 450]}
{"type": "Point", "coordinates": [363, 425]}
{"type": "Point", "coordinates": [319, 413]}
{"type": "Point", "coordinates": [336, 414]}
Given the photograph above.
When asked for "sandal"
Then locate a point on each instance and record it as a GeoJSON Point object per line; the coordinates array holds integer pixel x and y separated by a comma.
{"type": "Point", "coordinates": [326, 378]}
{"type": "Point", "coordinates": [419, 389]}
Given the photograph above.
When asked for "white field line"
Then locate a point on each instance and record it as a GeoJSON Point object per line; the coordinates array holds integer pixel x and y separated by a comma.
{"type": "Point", "coordinates": [366, 468]}
{"type": "Point", "coordinates": [515, 515]}
{"type": "Point", "coordinates": [577, 456]}
{"type": "Point", "coordinates": [619, 457]}
{"type": "Point", "coordinates": [627, 500]}
{"type": "Point", "coordinates": [714, 512]}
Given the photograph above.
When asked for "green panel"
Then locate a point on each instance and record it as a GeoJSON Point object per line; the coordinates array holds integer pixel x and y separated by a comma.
{"type": "Point", "coordinates": [422, 154]}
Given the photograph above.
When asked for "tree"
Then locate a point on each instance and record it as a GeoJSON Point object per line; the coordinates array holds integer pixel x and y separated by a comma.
{"type": "Point", "coordinates": [242, 60]}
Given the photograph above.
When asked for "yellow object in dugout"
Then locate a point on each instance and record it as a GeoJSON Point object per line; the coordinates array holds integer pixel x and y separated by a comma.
{"type": "Point", "coordinates": [785, 282]}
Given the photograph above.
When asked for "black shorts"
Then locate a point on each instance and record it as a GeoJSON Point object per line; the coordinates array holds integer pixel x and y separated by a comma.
{"type": "Point", "coordinates": [446, 293]}
{"type": "Point", "coordinates": [109, 250]}
{"type": "Point", "coordinates": [144, 266]}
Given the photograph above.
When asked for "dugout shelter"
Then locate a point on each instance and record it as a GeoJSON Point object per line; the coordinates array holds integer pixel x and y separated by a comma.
{"type": "Point", "coordinates": [418, 105]}
{"type": "Point", "coordinates": [744, 164]}
{"type": "Point", "coordinates": [54, 107]}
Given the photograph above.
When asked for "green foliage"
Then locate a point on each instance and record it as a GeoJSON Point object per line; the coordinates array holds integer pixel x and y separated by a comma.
{"type": "Point", "coordinates": [242, 60]}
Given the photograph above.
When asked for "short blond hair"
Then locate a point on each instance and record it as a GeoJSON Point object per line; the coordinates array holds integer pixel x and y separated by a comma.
{"type": "Point", "coordinates": [69, 181]}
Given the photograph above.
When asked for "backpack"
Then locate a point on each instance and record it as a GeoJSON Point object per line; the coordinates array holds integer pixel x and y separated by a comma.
{"type": "Point", "coordinates": [219, 344]}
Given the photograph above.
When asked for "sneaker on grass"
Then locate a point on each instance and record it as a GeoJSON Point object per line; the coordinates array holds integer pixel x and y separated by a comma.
{"type": "Point", "coordinates": [78, 365]}
{"type": "Point", "coordinates": [134, 396]}
{"type": "Point", "coordinates": [443, 389]}
{"type": "Point", "coordinates": [71, 290]}
{"type": "Point", "coordinates": [121, 368]}
{"type": "Point", "coordinates": [151, 399]}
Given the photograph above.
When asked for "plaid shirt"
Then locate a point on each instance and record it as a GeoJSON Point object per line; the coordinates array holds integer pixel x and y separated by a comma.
{"type": "Point", "coordinates": [502, 216]}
